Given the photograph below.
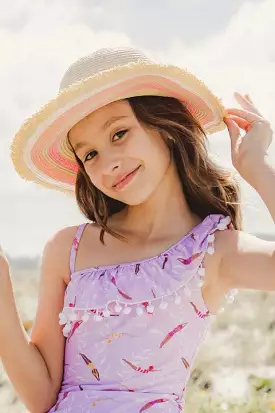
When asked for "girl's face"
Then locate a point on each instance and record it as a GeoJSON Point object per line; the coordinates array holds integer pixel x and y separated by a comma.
{"type": "Point", "coordinates": [122, 159]}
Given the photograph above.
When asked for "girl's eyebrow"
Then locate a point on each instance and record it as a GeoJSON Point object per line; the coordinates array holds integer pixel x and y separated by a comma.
{"type": "Point", "coordinates": [106, 125]}
{"type": "Point", "coordinates": [80, 145]}
{"type": "Point", "coordinates": [112, 120]}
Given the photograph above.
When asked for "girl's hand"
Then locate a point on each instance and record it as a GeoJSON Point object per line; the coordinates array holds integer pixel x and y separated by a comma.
{"type": "Point", "coordinates": [249, 151]}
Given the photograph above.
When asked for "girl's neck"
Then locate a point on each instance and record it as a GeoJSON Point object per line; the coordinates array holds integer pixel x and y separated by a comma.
{"type": "Point", "coordinates": [164, 212]}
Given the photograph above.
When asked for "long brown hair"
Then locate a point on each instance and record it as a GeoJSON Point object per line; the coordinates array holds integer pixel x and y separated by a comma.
{"type": "Point", "coordinates": [207, 187]}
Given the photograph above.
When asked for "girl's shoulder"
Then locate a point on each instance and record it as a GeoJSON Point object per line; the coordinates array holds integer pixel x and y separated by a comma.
{"type": "Point", "coordinates": [58, 249]}
{"type": "Point", "coordinates": [64, 237]}
{"type": "Point", "coordinates": [64, 245]}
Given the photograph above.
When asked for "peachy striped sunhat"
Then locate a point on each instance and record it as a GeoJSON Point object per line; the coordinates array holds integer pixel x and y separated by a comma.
{"type": "Point", "coordinates": [40, 151]}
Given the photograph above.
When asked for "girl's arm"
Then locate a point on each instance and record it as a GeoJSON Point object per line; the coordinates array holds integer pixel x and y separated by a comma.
{"type": "Point", "coordinates": [35, 365]}
{"type": "Point", "coordinates": [248, 262]}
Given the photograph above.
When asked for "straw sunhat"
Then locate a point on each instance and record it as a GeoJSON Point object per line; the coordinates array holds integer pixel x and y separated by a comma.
{"type": "Point", "coordinates": [40, 151]}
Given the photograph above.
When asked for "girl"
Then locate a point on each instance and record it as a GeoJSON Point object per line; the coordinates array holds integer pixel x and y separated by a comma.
{"type": "Point", "coordinates": [135, 288]}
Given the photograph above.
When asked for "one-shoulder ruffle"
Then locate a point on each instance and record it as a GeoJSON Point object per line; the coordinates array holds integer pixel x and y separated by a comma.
{"type": "Point", "coordinates": [138, 286]}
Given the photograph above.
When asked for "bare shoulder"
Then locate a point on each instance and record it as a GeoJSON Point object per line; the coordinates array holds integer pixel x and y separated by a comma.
{"type": "Point", "coordinates": [57, 250]}
{"type": "Point", "coordinates": [62, 239]}
{"type": "Point", "coordinates": [60, 245]}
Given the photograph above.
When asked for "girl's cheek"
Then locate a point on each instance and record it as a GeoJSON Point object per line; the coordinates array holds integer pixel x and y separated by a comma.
{"type": "Point", "coordinates": [91, 174]}
{"type": "Point", "coordinates": [98, 182]}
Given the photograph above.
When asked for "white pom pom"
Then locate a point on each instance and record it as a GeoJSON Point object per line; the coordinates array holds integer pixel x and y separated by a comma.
{"type": "Point", "coordinates": [210, 250]}
{"type": "Point", "coordinates": [163, 305]}
{"type": "Point", "coordinates": [67, 327]}
{"type": "Point", "coordinates": [62, 318]}
{"type": "Point", "coordinates": [177, 299]}
{"type": "Point", "coordinates": [127, 310]}
{"type": "Point", "coordinates": [106, 312]}
{"type": "Point", "coordinates": [227, 220]}
{"type": "Point", "coordinates": [150, 308]}
{"type": "Point", "coordinates": [201, 271]}
{"type": "Point", "coordinates": [211, 237]}
{"type": "Point", "coordinates": [118, 308]}
{"type": "Point", "coordinates": [139, 310]}
{"type": "Point", "coordinates": [66, 330]}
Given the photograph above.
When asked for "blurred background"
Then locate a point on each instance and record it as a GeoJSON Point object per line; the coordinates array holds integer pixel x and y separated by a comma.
{"type": "Point", "coordinates": [230, 46]}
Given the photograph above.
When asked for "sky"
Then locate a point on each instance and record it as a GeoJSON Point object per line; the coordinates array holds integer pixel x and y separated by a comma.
{"type": "Point", "coordinates": [229, 45]}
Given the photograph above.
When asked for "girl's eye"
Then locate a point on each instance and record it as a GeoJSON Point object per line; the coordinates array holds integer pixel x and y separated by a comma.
{"type": "Point", "coordinates": [90, 155]}
{"type": "Point", "coordinates": [120, 135]}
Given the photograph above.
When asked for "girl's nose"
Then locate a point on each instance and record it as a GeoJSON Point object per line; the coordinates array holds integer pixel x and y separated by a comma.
{"type": "Point", "coordinates": [111, 166]}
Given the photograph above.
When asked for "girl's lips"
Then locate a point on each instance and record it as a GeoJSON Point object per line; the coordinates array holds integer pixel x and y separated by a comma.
{"type": "Point", "coordinates": [127, 179]}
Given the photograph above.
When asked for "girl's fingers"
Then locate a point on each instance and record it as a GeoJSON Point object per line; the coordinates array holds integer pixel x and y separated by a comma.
{"type": "Point", "coordinates": [234, 131]}
{"type": "Point", "coordinates": [245, 114]}
{"type": "Point", "coordinates": [242, 123]}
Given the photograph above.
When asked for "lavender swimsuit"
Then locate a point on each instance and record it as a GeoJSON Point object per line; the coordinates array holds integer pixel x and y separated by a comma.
{"type": "Point", "coordinates": [133, 330]}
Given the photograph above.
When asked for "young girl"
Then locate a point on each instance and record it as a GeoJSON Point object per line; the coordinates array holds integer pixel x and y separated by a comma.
{"type": "Point", "coordinates": [135, 287]}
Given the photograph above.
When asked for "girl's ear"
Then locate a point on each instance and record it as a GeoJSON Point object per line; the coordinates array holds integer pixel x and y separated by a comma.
{"type": "Point", "coordinates": [169, 137]}
{"type": "Point", "coordinates": [170, 142]}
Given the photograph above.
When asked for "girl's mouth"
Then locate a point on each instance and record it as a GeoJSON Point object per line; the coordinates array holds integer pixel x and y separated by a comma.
{"type": "Point", "coordinates": [128, 178]}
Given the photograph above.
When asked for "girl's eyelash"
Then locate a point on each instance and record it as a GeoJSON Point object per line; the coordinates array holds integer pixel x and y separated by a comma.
{"type": "Point", "coordinates": [89, 153]}
{"type": "Point", "coordinates": [123, 131]}
{"type": "Point", "coordinates": [120, 131]}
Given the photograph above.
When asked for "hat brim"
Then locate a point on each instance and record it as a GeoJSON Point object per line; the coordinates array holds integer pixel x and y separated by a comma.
{"type": "Point", "coordinates": [40, 151]}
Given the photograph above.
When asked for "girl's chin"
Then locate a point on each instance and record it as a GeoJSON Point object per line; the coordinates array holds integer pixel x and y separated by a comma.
{"type": "Point", "coordinates": [133, 201]}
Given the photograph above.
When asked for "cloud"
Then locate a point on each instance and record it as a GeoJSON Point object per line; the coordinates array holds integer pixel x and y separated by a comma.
{"type": "Point", "coordinates": [241, 56]}
{"type": "Point", "coordinates": [191, 20]}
